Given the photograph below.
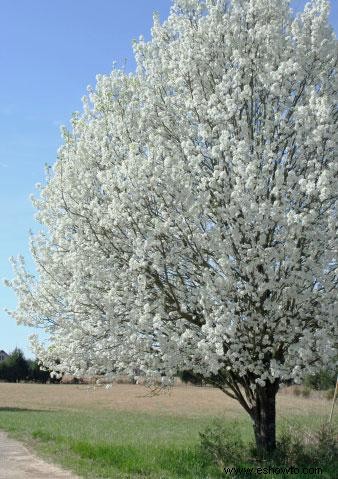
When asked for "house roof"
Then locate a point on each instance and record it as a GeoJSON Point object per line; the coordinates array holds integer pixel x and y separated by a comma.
{"type": "Point", "coordinates": [3, 352]}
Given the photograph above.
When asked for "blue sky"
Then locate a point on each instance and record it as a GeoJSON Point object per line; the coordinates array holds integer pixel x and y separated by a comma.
{"type": "Point", "coordinates": [49, 53]}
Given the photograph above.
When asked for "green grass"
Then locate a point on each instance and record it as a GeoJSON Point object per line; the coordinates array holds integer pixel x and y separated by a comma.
{"type": "Point", "coordinates": [121, 445]}
{"type": "Point", "coordinates": [111, 444]}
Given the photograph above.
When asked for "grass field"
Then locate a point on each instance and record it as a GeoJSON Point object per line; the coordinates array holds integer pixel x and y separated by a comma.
{"type": "Point", "coordinates": [124, 432]}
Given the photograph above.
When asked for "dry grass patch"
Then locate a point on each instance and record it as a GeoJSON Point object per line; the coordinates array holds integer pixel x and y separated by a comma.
{"type": "Point", "coordinates": [185, 401]}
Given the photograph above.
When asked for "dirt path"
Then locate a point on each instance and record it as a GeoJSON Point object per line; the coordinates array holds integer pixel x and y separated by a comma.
{"type": "Point", "coordinates": [17, 462]}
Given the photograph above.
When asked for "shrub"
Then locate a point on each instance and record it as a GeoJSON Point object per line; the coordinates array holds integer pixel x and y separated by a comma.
{"type": "Point", "coordinates": [69, 379]}
{"type": "Point", "coordinates": [222, 445]}
{"type": "Point", "coordinates": [290, 448]}
{"type": "Point", "coordinates": [326, 450]}
{"type": "Point", "coordinates": [329, 394]}
{"type": "Point", "coordinates": [304, 447]}
{"type": "Point", "coordinates": [321, 381]}
{"type": "Point", "coordinates": [297, 391]}
{"type": "Point", "coordinates": [306, 392]}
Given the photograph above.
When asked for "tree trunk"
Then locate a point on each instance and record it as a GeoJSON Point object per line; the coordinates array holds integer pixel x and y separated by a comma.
{"type": "Point", "coordinates": [264, 417]}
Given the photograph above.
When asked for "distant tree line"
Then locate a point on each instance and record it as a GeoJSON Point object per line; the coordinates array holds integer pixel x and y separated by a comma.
{"type": "Point", "coordinates": [321, 381]}
{"type": "Point", "coordinates": [17, 368]}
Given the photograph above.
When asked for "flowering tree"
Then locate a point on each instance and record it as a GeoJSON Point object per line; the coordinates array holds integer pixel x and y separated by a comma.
{"type": "Point", "coordinates": [189, 222]}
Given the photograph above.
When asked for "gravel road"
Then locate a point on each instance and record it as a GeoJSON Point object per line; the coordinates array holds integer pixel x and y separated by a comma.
{"type": "Point", "coordinates": [17, 462]}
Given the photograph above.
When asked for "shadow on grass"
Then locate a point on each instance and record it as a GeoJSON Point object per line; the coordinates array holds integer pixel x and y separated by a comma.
{"type": "Point", "coordinates": [22, 409]}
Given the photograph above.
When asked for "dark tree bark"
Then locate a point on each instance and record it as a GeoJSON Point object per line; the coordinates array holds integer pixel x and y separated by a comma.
{"type": "Point", "coordinates": [264, 417]}
{"type": "Point", "coordinates": [259, 403]}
